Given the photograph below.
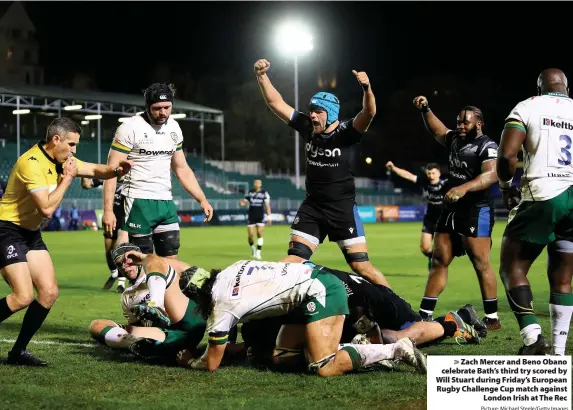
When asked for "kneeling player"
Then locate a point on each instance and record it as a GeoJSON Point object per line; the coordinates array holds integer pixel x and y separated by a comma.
{"type": "Point", "coordinates": [377, 313]}
{"type": "Point", "coordinates": [181, 325]}
{"type": "Point", "coordinates": [314, 302]}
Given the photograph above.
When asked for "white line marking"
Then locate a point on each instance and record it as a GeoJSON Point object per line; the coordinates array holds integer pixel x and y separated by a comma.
{"type": "Point", "coordinates": [49, 342]}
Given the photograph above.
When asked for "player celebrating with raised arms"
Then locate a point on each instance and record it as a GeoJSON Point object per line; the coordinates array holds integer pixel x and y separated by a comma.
{"type": "Point", "coordinates": [329, 208]}
{"type": "Point", "coordinates": [466, 223]}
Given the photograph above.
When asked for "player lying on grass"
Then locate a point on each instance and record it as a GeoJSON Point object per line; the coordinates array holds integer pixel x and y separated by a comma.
{"type": "Point", "coordinates": [180, 325]}
{"type": "Point", "coordinates": [376, 312]}
{"type": "Point", "coordinates": [314, 304]}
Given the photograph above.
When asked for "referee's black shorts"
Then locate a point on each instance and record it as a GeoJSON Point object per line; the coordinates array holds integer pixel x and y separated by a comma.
{"type": "Point", "coordinates": [16, 242]}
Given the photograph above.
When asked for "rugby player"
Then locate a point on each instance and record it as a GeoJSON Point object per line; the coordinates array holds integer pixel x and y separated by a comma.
{"type": "Point", "coordinates": [36, 187]}
{"type": "Point", "coordinates": [258, 201]}
{"type": "Point", "coordinates": [154, 142]}
{"type": "Point", "coordinates": [314, 301]}
{"type": "Point", "coordinates": [184, 327]}
{"type": "Point", "coordinates": [433, 190]}
{"type": "Point", "coordinates": [542, 126]}
{"type": "Point", "coordinates": [329, 208]}
{"type": "Point", "coordinates": [117, 236]}
{"type": "Point", "coordinates": [466, 222]}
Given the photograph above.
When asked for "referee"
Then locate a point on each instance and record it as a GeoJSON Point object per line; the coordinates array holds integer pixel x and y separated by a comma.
{"type": "Point", "coordinates": [36, 187]}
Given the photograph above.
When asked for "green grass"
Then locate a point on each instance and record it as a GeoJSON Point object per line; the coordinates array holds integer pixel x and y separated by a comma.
{"type": "Point", "coordinates": [95, 377]}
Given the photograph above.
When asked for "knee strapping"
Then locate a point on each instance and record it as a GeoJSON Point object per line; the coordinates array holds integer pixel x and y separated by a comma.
{"type": "Point", "coordinates": [300, 249]}
{"type": "Point", "coordinates": [166, 243]}
{"type": "Point", "coordinates": [145, 243]}
{"type": "Point", "coordinates": [355, 256]}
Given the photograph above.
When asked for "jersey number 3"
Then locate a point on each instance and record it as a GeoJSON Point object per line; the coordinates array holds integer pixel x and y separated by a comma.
{"type": "Point", "coordinates": [565, 142]}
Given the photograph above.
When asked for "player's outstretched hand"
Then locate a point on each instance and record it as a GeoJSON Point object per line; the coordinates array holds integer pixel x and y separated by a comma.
{"type": "Point", "coordinates": [390, 165]}
{"type": "Point", "coordinates": [262, 66]}
{"type": "Point", "coordinates": [420, 102]}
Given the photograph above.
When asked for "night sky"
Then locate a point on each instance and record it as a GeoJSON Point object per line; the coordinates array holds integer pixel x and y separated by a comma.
{"type": "Point", "coordinates": [119, 43]}
{"type": "Point", "coordinates": [487, 54]}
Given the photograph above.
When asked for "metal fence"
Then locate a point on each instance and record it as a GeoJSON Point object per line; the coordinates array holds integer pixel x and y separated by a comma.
{"type": "Point", "coordinates": [279, 204]}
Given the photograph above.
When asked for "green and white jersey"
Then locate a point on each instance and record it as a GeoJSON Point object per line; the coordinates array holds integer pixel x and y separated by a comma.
{"type": "Point", "coordinates": [150, 147]}
{"type": "Point", "coordinates": [548, 148]}
{"type": "Point", "coordinates": [138, 294]}
{"type": "Point", "coordinates": [249, 290]}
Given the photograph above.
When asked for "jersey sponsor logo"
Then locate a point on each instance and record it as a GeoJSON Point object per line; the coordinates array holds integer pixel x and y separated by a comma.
{"type": "Point", "coordinates": [491, 152]}
{"type": "Point", "coordinates": [163, 152]}
{"type": "Point", "coordinates": [49, 172]}
{"type": "Point", "coordinates": [550, 122]}
{"type": "Point", "coordinates": [174, 136]}
{"type": "Point", "coordinates": [33, 159]}
{"type": "Point", "coordinates": [315, 151]}
{"type": "Point", "coordinates": [132, 225]}
{"type": "Point", "coordinates": [237, 284]}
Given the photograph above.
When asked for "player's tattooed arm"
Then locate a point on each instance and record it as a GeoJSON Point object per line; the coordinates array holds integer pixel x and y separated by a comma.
{"type": "Point", "coordinates": [483, 181]}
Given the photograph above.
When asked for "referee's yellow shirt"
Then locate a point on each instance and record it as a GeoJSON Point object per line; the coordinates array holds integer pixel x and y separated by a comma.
{"type": "Point", "coordinates": [35, 170]}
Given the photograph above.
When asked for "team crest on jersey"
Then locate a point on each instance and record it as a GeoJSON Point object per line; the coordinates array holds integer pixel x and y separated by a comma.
{"type": "Point", "coordinates": [235, 291]}
{"type": "Point", "coordinates": [174, 137]}
{"type": "Point", "coordinates": [311, 307]}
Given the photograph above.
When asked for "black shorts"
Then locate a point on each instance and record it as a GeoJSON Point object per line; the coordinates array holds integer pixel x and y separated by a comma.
{"type": "Point", "coordinates": [256, 217]}
{"type": "Point", "coordinates": [338, 220]}
{"type": "Point", "coordinates": [119, 213]}
{"type": "Point", "coordinates": [429, 224]}
{"type": "Point", "coordinates": [16, 242]}
{"type": "Point", "coordinates": [471, 223]}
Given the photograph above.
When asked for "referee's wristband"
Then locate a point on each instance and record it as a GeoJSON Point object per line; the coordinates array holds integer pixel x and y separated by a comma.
{"type": "Point", "coordinates": [504, 186]}
{"type": "Point", "coordinates": [425, 109]}
{"type": "Point", "coordinates": [116, 171]}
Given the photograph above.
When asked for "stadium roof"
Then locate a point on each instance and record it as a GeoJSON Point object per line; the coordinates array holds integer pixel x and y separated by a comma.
{"type": "Point", "coordinates": [51, 97]}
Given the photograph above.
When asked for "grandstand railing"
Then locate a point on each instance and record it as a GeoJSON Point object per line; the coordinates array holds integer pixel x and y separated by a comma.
{"type": "Point", "coordinates": [278, 204]}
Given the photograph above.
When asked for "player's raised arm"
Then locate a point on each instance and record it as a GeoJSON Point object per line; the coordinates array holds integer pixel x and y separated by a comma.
{"type": "Point", "coordinates": [272, 97]}
{"type": "Point", "coordinates": [364, 118]}
{"type": "Point", "coordinates": [432, 123]}
{"type": "Point", "coordinates": [402, 173]}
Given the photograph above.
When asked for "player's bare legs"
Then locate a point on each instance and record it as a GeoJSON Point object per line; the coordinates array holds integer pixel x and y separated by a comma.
{"type": "Point", "coordinates": [259, 241]}
{"type": "Point", "coordinates": [426, 244]}
{"type": "Point", "coordinates": [365, 269]}
{"type": "Point", "coordinates": [515, 260]}
{"type": "Point", "coordinates": [112, 335]}
{"type": "Point", "coordinates": [18, 277]}
{"type": "Point", "coordinates": [251, 235]}
{"type": "Point", "coordinates": [478, 250]}
{"type": "Point", "coordinates": [419, 332]}
{"type": "Point", "coordinates": [559, 273]}
{"type": "Point", "coordinates": [442, 256]}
